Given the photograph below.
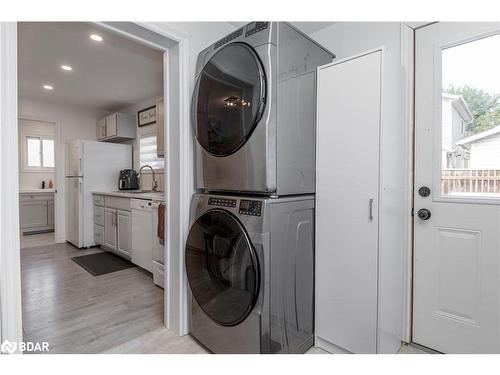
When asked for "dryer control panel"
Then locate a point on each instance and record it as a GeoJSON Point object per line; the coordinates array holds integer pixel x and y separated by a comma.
{"type": "Point", "coordinates": [223, 202]}
{"type": "Point", "coordinates": [252, 208]}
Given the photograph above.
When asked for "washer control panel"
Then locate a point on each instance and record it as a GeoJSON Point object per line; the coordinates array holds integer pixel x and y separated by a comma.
{"type": "Point", "coordinates": [223, 202]}
{"type": "Point", "coordinates": [249, 207]}
{"type": "Point", "coordinates": [255, 27]}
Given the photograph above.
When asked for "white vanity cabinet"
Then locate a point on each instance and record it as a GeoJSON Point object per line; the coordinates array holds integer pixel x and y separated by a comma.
{"type": "Point", "coordinates": [116, 127]}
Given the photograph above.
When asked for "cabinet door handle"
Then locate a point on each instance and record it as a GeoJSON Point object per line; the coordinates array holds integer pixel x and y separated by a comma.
{"type": "Point", "coordinates": [370, 213]}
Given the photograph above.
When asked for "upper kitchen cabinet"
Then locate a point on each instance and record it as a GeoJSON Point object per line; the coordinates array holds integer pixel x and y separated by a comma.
{"type": "Point", "coordinates": [116, 127]}
{"type": "Point", "coordinates": [160, 124]}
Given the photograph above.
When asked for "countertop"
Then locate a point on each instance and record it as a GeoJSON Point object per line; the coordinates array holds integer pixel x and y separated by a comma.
{"type": "Point", "coordinates": [156, 195]}
{"type": "Point", "coordinates": [35, 191]}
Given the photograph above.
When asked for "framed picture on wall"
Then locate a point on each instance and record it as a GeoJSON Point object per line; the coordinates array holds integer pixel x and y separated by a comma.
{"type": "Point", "coordinates": [146, 116]}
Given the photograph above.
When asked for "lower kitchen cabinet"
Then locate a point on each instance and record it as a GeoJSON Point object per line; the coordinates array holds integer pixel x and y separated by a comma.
{"type": "Point", "coordinates": [123, 231]}
{"type": "Point", "coordinates": [116, 234]}
{"type": "Point", "coordinates": [36, 212]}
{"type": "Point", "coordinates": [98, 234]}
{"type": "Point", "coordinates": [109, 228]}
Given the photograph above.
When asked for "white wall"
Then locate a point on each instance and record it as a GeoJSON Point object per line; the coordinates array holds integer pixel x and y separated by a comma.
{"type": "Point", "coordinates": [346, 39]}
{"type": "Point", "coordinates": [199, 35]}
{"type": "Point", "coordinates": [75, 123]}
{"type": "Point", "coordinates": [146, 181]}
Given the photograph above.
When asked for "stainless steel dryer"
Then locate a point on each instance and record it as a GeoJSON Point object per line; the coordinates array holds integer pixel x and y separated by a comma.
{"type": "Point", "coordinates": [250, 267]}
{"type": "Point", "coordinates": [253, 111]}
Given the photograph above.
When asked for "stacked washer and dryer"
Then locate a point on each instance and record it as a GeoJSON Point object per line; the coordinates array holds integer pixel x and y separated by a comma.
{"type": "Point", "coordinates": [250, 250]}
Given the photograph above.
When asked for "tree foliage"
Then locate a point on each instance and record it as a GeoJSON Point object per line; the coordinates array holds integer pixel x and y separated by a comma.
{"type": "Point", "coordinates": [485, 108]}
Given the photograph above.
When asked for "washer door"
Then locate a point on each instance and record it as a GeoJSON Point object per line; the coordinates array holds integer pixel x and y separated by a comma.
{"type": "Point", "coordinates": [222, 267]}
{"type": "Point", "coordinates": [229, 99]}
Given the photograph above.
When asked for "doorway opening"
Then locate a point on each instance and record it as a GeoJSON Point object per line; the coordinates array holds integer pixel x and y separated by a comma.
{"type": "Point", "coordinates": [38, 141]}
{"type": "Point", "coordinates": [103, 87]}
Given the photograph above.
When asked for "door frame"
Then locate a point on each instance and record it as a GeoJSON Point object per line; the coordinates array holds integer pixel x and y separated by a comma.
{"type": "Point", "coordinates": [59, 218]}
{"type": "Point", "coordinates": [10, 265]}
{"type": "Point", "coordinates": [408, 30]}
{"type": "Point", "coordinates": [179, 184]}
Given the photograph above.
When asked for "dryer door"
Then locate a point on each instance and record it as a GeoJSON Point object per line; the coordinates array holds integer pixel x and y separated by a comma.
{"type": "Point", "coordinates": [222, 267]}
{"type": "Point", "coordinates": [229, 99]}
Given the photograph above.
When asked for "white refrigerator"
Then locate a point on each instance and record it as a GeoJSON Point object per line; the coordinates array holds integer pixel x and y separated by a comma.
{"type": "Point", "coordinates": [90, 166]}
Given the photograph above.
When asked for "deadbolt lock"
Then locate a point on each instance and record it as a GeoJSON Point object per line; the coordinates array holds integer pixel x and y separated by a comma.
{"type": "Point", "coordinates": [424, 191]}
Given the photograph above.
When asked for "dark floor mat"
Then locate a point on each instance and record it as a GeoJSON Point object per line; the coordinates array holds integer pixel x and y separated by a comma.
{"type": "Point", "coordinates": [102, 263]}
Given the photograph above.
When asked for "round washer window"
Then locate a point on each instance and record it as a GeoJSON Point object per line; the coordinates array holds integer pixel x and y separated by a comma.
{"type": "Point", "coordinates": [222, 267]}
{"type": "Point", "coordinates": [229, 99]}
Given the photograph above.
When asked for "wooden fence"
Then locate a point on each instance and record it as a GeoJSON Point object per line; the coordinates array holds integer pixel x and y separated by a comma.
{"type": "Point", "coordinates": [470, 181]}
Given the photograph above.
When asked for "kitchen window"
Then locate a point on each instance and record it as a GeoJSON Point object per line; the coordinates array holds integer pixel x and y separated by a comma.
{"type": "Point", "coordinates": [148, 152]}
{"type": "Point", "coordinates": [39, 153]}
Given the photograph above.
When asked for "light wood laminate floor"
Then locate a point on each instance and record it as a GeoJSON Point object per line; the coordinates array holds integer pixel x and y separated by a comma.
{"type": "Point", "coordinates": [121, 312]}
{"type": "Point", "coordinates": [35, 240]}
{"type": "Point", "coordinates": [78, 313]}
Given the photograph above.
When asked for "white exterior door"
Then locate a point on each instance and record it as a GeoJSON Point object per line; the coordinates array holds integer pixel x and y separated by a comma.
{"type": "Point", "coordinates": [456, 260]}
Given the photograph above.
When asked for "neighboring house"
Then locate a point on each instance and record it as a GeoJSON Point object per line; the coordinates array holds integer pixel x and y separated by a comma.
{"type": "Point", "coordinates": [455, 115]}
{"type": "Point", "coordinates": [484, 149]}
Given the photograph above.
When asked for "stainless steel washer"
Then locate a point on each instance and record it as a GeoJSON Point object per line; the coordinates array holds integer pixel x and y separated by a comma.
{"type": "Point", "coordinates": [253, 111]}
{"type": "Point", "coordinates": [250, 267]}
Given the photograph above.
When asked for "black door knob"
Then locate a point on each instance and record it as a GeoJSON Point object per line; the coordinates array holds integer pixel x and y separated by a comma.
{"type": "Point", "coordinates": [424, 214]}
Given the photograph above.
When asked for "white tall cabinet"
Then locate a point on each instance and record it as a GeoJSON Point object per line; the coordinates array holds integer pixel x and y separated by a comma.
{"type": "Point", "coordinates": [347, 207]}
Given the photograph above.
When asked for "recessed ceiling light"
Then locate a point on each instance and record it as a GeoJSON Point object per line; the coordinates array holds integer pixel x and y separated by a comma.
{"type": "Point", "coordinates": [48, 87]}
{"type": "Point", "coordinates": [66, 67]}
{"type": "Point", "coordinates": [96, 37]}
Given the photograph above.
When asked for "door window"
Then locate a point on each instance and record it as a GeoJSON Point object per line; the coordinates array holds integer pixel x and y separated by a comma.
{"type": "Point", "coordinates": [222, 267]}
{"type": "Point", "coordinates": [229, 99]}
{"type": "Point", "coordinates": [470, 119]}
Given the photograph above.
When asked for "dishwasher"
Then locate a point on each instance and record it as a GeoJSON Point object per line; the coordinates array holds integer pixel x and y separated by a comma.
{"type": "Point", "coordinates": [142, 226]}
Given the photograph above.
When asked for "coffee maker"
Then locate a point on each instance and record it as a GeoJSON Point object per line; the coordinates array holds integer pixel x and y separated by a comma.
{"type": "Point", "coordinates": [128, 180]}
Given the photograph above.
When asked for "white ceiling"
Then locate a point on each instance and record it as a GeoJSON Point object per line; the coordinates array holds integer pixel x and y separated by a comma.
{"type": "Point", "coordinates": [107, 75]}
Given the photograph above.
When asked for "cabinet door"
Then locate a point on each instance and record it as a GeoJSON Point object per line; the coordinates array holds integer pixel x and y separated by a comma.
{"type": "Point", "coordinates": [110, 228]}
{"type": "Point", "coordinates": [347, 175]}
{"type": "Point", "coordinates": [123, 232]}
{"type": "Point", "coordinates": [50, 214]}
{"type": "Point", "coordinates": [98, 234]}
{"type": "Point", "coordinates": [160, 126]}
{"type": "Point", "coordinates": [33, 215]}
{"type": "Point", "coordinates": [101, 128]}
{"type": "Point", "coordinates": [111, 125]}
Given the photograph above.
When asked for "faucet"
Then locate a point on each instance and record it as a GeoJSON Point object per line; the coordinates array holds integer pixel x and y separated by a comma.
{"type": "Point", "coordinates": [154, 182]}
